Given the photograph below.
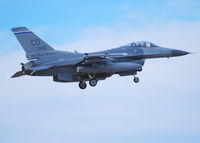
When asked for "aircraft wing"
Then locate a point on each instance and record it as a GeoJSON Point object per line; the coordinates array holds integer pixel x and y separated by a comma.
{"type": "Point", "coordinates": [85, 59]}
{"type": "Point", "coordinates": [104, 55]}
{"type": "Point", "coordinates": [95, 60]}
{"type": "Point", "coordinates": [99, 58]}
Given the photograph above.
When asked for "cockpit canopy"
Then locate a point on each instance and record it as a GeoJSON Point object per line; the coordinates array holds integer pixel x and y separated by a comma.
{"type": "Point", "coordinates": [141, 44]}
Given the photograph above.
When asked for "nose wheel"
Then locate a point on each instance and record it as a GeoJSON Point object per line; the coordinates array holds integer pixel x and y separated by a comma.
{"type": "Point", "coordinates": [136, 79]}
{"type": "Point", "coordinates": [82, 84]}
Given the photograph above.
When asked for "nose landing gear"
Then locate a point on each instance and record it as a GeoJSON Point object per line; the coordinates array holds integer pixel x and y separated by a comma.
{"type": "Point", "coordinates": [136, 79]}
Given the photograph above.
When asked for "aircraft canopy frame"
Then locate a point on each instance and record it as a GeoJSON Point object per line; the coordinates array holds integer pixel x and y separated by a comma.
{"type": "Point", "coordinates": [142, 44]}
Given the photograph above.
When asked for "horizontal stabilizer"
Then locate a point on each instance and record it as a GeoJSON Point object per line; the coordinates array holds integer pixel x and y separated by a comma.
{"type": "Point", "coordinates": [18, 74]}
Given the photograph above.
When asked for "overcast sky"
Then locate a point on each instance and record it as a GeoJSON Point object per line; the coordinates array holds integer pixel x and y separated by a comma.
{"type": "Point", "coordinates": [164, 107]}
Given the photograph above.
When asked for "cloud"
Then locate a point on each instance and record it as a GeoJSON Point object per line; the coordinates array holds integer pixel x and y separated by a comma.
{"type": "Point", "coordinates": [181, 35]}
{"type": "Point", "coordinates": [166, 101]}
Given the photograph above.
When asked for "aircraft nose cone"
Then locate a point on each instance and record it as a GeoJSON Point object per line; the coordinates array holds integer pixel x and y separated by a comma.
{"type": "Point", "coordinates": [178, 53]}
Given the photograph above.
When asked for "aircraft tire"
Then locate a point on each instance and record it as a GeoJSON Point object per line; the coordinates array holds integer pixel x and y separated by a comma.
{"type": "Point", "coordinates": [93, 82]}
{"type": "Point", "coordinates": [82, 84]}
{"type": "Point", "coordinates": [136, 79]}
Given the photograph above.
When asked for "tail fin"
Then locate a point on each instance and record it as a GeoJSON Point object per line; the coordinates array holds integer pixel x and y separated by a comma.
{"type": "Point", "coordinates": [32, 44]}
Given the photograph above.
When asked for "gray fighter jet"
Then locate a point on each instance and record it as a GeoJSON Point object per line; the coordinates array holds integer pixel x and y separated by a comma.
{"type": "Point", "coordinates": [81, 67]}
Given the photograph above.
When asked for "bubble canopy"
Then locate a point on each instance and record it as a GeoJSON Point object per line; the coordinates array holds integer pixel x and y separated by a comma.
{"type": "Point", "coordinates": [141, 44]}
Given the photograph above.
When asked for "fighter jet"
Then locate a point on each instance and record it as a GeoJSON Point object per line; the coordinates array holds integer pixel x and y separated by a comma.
{"type": "Point", "coordinates": [66, 66]}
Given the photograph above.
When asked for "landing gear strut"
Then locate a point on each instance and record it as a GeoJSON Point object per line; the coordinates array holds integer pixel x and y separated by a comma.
{"type": "Point", "coordinates": [92, 81]}
{"type": "Point", "coordinates": [136, 79]}
{"type": "Point", "coordinates": [82, 84]}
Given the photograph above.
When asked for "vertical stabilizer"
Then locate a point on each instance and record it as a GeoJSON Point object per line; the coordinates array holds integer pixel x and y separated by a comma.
{"type": "Point", "coordinates": [32, 44]}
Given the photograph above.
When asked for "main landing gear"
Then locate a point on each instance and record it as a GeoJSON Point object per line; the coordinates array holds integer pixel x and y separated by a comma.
{"type": "Point", "coordinates": [82, 84]}
{"type": "Point", "coordinates": [92, 82]}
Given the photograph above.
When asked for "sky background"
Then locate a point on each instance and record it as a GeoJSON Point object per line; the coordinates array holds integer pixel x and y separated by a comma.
{"type": "Point", "coordinates": [163, 107]}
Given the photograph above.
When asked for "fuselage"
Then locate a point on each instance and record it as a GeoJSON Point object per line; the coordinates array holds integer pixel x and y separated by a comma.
{"type": "Point", "coordinates": [72, 66]}
{"type": "Point", "coordinates": [125, 60]}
